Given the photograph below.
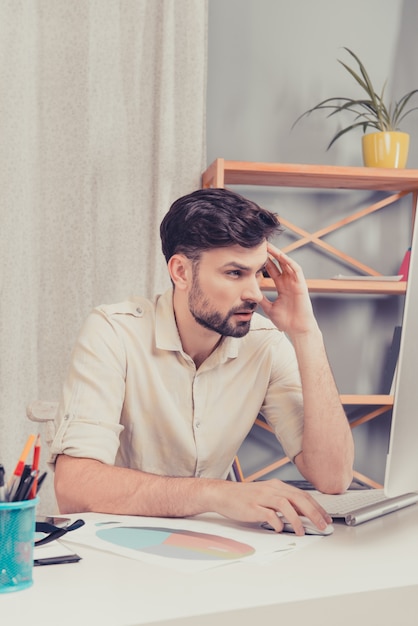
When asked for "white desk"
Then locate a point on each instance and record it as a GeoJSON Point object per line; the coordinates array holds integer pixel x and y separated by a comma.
{"type": "Point", "coordinates": [365, 575]}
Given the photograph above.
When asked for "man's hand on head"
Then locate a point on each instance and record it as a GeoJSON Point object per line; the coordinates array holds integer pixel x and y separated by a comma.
{"type": "Point", "coordinates": [291, 311]}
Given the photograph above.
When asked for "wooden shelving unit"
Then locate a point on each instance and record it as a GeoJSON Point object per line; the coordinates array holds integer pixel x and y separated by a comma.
{"type": "Point", "coordinates": [396, 184]}
{"type": "Point", "coordinates": [317, 285]}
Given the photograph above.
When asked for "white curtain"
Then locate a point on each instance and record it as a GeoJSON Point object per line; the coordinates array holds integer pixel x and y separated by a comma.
{"type": "Point", "coordinates": [102, 126]}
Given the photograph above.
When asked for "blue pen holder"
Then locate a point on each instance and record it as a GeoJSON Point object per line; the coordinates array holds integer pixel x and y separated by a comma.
{"type": "Point", "coordinates": [17, 535]}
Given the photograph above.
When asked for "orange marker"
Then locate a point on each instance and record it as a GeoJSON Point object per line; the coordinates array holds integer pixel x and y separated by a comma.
{"type": "Point", "coordinates": [14, 480]}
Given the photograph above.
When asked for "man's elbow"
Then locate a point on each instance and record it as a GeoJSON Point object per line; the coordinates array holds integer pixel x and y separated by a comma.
{"type": "Point", "coordinates": [329, 476]}
{"type": "Point", "coordinates": [335, 483]}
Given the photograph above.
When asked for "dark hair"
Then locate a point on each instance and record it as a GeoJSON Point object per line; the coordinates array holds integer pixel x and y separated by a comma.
{"type": "Point", "coordinates": [214, 218]}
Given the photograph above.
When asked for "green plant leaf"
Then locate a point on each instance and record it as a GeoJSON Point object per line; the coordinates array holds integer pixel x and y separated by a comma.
{"type": "Point", "coordinates": [342, 132]}
{"type": "Point", "coordinates": [369, 112]}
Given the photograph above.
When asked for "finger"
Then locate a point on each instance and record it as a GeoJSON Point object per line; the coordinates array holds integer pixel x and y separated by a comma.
{"type": "Point", "coordinates": [300, 502]}
{"type": "Point", "coordinates": [273, 520]}
{"type": "Point", "coordinates": [288, 264]}
{"type": "Point", "coordinates": [282, 268]}
{"type": "Point", "coordinates": [288, 511]}
{"type": "Point", "coordinates": [315, 513]}
{"type": "Point", "coordinates": [277, 254]}
{"type": "Point", "coordinates": [317, 508]}
{"type": "Point", "coordinates": [266, 304]}
{"type": "Point", "coordinates": [274, 270]}
{"type": "Point", "coordinates": [273, 250]}
{"type": "Point", "coordinates": [319, 518]}
{"type": "Point", "coordinates": [267, 307]}
{"type": "Point", "coordinates": [282, 258]}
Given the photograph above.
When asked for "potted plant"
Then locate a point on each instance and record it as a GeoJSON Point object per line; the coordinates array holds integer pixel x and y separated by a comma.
{"type": "Point", "coordinates": [386, 146]}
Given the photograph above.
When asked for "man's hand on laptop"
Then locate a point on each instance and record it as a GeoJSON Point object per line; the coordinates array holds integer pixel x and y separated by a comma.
{"type": "Point", "coordinates": [261, 501]}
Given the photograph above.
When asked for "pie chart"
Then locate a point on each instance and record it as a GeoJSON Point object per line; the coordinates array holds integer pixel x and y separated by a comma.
{"type": "Point", "coordinates": [176, 544]}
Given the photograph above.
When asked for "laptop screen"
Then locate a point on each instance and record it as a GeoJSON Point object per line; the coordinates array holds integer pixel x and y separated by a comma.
{"type": "Point", "coordinates": [402, 461]}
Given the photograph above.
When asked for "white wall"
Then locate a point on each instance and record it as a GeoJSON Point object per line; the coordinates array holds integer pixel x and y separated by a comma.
{"type": "Point", "coordinates": [269, 61]}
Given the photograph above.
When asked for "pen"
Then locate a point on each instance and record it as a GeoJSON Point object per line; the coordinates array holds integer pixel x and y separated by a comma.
{"type": "Point", "coordinates": [2, 486]}
{"type": "Point", "coordinates": [56, 560]}
{"type": "Point", "coordinates": [15, 478]}
{"type": "Point", "coordinates": [21, 487]}
{"type": "Point", "coordinates": [25, 488]}
{"type": "Point", "coordinates": [40, 481]}
{"type": "Point", "coordinates": [35, 467]}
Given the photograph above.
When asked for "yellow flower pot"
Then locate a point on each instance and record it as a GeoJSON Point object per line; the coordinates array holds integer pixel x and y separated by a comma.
{"type": "Point", "coordinates": [385, 149]}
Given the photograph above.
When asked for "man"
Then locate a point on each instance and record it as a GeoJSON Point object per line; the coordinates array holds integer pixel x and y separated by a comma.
{"type": "Point", "coordinates": [161, 394]}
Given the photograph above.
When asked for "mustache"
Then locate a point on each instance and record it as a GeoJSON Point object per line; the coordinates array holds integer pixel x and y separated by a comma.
{"type": "Point", "coordinates": [248, 307]}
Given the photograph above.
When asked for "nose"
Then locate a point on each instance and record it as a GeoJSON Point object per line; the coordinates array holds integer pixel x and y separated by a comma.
{"type": "Point", "coordinates": [252, 291]}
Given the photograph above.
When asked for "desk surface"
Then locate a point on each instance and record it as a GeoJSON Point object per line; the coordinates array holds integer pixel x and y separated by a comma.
{"type": "Point", "coordinates": [359, 575]}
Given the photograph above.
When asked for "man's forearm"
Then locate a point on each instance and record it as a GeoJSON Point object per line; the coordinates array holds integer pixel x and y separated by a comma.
{"type": "Point", "coordinates": [328, 450]}
{"type": "Point", "coordinates": [89, 485]}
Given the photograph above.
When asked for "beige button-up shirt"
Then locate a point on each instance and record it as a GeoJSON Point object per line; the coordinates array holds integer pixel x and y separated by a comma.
{"type": "Point", "coordinates": [134, 398]}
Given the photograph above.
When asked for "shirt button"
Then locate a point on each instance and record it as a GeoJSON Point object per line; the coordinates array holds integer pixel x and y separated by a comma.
{"type": "Point", "coordinates": [197, 424]}
{"type": "Point", "coordinates": [139, 310]}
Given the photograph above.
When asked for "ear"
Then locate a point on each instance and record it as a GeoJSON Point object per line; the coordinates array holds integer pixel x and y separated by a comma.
{"type": "Point", "coordinates": [180, 269]}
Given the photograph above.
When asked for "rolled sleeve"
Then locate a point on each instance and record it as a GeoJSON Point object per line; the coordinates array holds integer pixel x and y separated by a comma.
{"type": "Point", "coordinates": [88, 417]}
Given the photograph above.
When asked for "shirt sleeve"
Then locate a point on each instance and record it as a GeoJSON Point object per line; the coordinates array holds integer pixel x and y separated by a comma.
{"type": "Point", "coordinates": [283, 403]}
{"type": "Point", "coordinates": [88, 417]}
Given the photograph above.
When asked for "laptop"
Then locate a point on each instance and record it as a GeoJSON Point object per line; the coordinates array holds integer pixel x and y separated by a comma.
{"type": "Point", "coordinates": [401, 473]}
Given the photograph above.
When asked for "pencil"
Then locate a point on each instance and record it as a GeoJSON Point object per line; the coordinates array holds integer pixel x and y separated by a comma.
{"type": "Point", "coordinates": [14, 480]}
{"type": "Point", "coordinates": [35, 467]}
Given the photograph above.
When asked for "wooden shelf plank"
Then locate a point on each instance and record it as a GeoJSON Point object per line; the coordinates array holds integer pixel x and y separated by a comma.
{"type": "Point", "coordinates": [363, 399]}
{"type": "Point", "coordinates": [369, 399]}
{"type": "Point", "coordinates": [309, 176]}
{"type": "Point", "coordinates": [347, 286]}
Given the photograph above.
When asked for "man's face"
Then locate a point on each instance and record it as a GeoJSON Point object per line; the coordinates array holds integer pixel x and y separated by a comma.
{"type": "Point", "coordinates": [226, 288]}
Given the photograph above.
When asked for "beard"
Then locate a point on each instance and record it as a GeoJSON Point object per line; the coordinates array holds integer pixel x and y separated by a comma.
{"type": "Point", "coordinates": [208, 317]}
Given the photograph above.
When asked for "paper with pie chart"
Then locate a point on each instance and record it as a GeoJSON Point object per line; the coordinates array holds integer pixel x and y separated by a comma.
{"type": "Point", "coordinates": [184, 544]}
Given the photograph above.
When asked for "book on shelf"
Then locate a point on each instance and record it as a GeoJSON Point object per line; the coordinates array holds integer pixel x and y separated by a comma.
{"type": "Point", "coordinates": [404, 268]}
{"type": "Point", "coordinates": [394, 278]}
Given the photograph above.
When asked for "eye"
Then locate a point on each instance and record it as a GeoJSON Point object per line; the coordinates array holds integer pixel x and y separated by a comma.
{"type": "Point", "coordinates": [234, 273]}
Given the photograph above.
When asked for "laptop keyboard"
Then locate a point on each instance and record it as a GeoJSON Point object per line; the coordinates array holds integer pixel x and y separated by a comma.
{"type": "Point", "coordinates": [349, 501]}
